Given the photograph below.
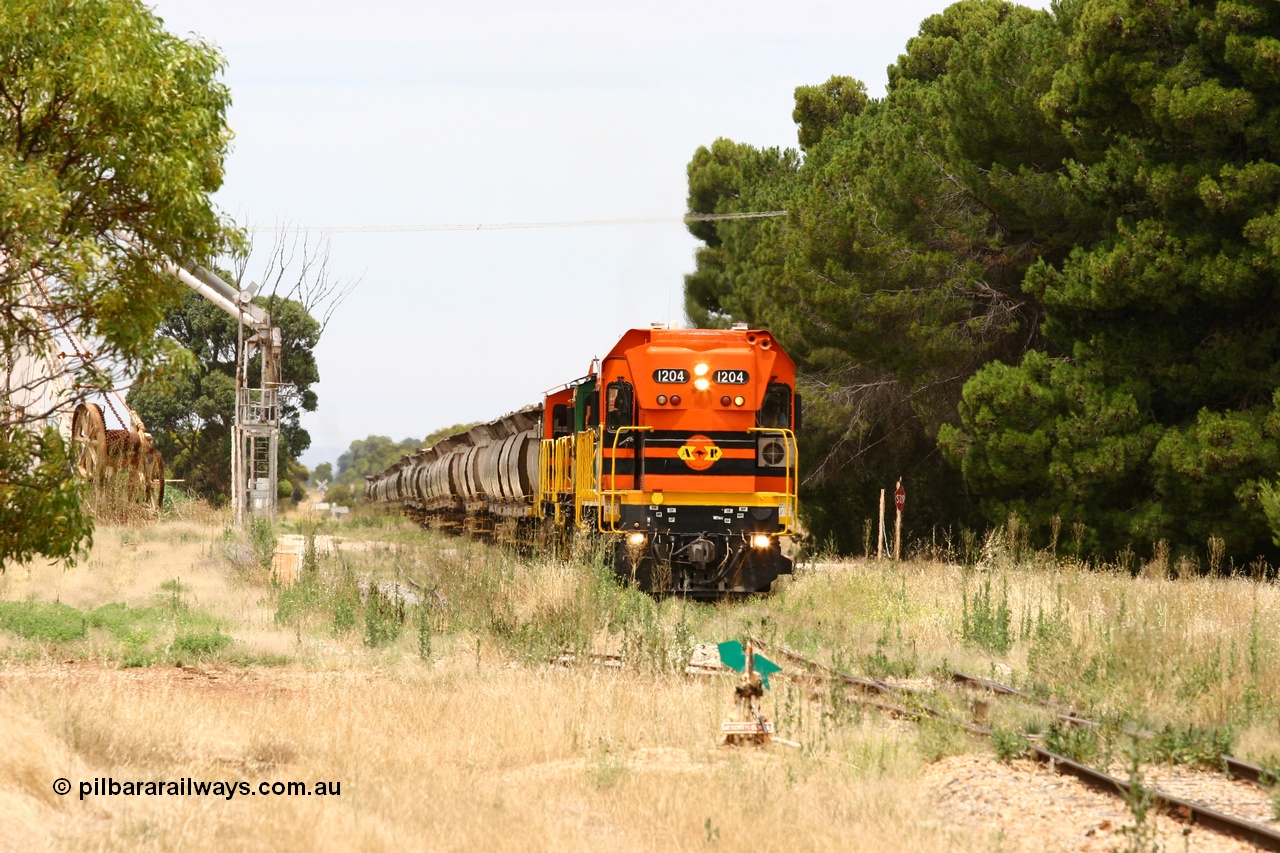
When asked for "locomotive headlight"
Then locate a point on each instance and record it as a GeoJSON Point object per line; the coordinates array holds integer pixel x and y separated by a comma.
{"type": "Point", "coordinates": [700, 369]}
{"type": "Point", "coordinates": [662, 399]}
{"type": "Point", "coordinates": [636, 539]}
{"type": "Point", "coordinates": [739, 400]}
{"type": "Point", "coordinates": [760, 540]}
{"type": "Point", "coordinates": [702, 383]}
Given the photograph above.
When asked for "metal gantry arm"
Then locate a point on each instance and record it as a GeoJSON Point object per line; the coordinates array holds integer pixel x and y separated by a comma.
{"type": "Point", "coordinates": [255, 431]}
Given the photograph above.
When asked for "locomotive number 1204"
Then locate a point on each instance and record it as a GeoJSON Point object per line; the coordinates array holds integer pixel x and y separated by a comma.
{"type": "Point", "coordinates": [671, 376]}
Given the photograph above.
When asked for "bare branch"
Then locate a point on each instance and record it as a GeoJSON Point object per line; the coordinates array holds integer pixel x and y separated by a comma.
{"type": "Point", "coordinates": [297, 268]}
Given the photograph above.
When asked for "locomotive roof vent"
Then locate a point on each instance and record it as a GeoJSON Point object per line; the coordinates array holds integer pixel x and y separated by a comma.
{"type": "Point", "coordinates": [740, 327]}
{"type": "Point", "coordinates": [658, 326]}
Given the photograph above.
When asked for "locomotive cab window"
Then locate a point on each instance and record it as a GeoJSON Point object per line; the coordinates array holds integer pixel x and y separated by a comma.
{"type": "Point", "coordinates": [561, 420]}
{"type": "Point", "coordinates": [775, 408]}
{"type": "Point", "coordinates": [586, 406]}
{"type": "Point", "coordinates": [619, 405]}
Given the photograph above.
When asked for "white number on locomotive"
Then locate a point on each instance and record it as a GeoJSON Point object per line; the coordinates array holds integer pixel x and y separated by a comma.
{"type": "Point", "coordinates": [731, 377]}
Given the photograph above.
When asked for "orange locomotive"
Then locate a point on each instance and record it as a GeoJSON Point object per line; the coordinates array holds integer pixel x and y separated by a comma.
{"type": "Point", "coordinates": [683, 447]}
{"type": "Point", "coordinates": [679, 447]}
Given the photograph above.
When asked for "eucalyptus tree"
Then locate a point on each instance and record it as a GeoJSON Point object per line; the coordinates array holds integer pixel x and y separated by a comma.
{"type": "Point", "coordinates": [108, 123]}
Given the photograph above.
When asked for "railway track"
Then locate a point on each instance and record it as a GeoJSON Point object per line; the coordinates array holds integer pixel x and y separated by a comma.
{"type": "Point", "coordinates": [1180, 808]}
{"type": "Point", "coordinates": [1235, 767]}
{"type": "Point", "coordinates": [911, 704]}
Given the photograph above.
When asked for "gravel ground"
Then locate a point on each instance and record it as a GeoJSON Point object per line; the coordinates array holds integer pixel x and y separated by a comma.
{"type": "Point", "coordinates": [1231, 797]}
{"type": "Point", "coordinates": [1025, 807]}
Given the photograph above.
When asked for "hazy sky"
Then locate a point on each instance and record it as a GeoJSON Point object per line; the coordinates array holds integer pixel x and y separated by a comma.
{"type": "Point", "coordinates": [424, 113]}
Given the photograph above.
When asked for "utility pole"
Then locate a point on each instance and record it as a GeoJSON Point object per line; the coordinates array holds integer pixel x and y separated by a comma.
{"type": "Point", "coordinates": [880, 538]}
{"type": "Point", "coordinates": [900, 503]}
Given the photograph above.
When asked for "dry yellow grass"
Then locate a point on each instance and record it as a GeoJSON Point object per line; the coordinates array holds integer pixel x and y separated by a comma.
{"type": "Point", "coordinates": [1191, 651]}
{"type": "Point", "coordinates": [452, 759]}
{"type": "Point", "coordinates": [470, 751]}
{"type": "Point", "coordinates": [485, 745]}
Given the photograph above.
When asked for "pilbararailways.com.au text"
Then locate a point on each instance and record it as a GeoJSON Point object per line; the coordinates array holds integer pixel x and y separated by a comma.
{"type": "Point", "coordinates": [188, 787]}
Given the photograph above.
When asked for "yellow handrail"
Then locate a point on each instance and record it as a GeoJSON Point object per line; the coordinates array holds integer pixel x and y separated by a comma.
{"type": "Point", "coordinates": [613, 492]}
{"type": "Point", "coordinates": [790, 484]}
{"type": "Point", "coordinates": [555, 463]}
{"type": "Point", "coordinates": [546, 469]}
{"type": "Point", "coordinates": [585, 472]}
{"type": "Point", "coordinates": [564, 465]}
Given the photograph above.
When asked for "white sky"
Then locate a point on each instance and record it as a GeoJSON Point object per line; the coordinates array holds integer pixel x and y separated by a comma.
{"type": "Point", "coordinates": [413, 113]}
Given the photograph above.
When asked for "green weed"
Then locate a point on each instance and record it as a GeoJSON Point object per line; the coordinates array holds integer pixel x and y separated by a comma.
{"type": "Point", "coordinates": [1049, 637]}
{"type": "Point", "coordinates": [42, 621]}
{"type": "Point", "coordinates": [383, 618]}
{"type": "Point", "coordinates": [135, 634]}
{"type": "Point", "coordinates": [425, 620]}
{"type": "Point", "coordinates": [1195, 746]}
{"type": "Point", "coordinates": [310, 559]}
{"type": "Point", "coordinates": [939, 739]}
{"type": "Point", "coordinates": [1141, 837]}
{"type": "Point", "coordinates": [904, 664]}
{"type": "Point", "coordinates": [606, 767]}
{"type": "Point", "coordinates": [1079, 743]}
{"type": "Point", "coordinates": [344, 598]}
{"type": "Point", "coordinates": [134, 627]}
{"type": "Point", "coordinates": [198, 645]}
{"type": "Point", "coordinates": [262, 536]}
{"type": "Point", "coordinates": [1009, 745]}
{"type": "Point", "coordinates": [985, 623]}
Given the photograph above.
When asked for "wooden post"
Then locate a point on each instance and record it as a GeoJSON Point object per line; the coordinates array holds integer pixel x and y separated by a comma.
{"type": "Point", "coordinates": [880, 539]}
{"type": "Point", "coordinates": [897, 524]}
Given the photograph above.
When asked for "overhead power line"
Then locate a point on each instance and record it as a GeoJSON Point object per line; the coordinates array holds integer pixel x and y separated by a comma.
{"type": "Point", "coordinates": [506, 226]}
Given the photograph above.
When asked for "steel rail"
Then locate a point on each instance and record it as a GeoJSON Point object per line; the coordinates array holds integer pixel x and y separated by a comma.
{"type": "Point", "coordinates": [1249, 772]}
{"type": "Point", "coordinates": [1065, 713]}
{"type": "Point", "coordinates": [1236, 767]}
{"type": "Point", "coordinates": [866, 683]}
{"type": "Point", "coordinates": [1176, 807]}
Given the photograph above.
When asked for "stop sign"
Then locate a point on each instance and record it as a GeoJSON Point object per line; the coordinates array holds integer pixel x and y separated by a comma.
{"type": "Point", "coordinates": [900, 498]}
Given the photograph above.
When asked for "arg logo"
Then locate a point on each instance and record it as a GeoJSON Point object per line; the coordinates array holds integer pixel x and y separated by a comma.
{"type": "Point", "coordinates": [699, 452]}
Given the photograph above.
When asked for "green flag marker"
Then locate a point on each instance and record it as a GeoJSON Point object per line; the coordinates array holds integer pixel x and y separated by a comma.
{"type": "Point", "coordinates": [764, 666]}
{"type": "Point", "coordinates": [734, 656]}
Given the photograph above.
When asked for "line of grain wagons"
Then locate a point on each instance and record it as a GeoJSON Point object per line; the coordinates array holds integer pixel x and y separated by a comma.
{"type": "Point", "coordinates": [491, 468]}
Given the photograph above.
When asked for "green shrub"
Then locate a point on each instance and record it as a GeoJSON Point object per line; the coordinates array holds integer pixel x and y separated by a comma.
{"type": "Point", "coordinates": [425, 619]}
{"type": "Point", "coordinates": [1079, 743]}
{"type": "Point", "coordinates": [985, 623]}
{"type": "Point", "coordinates": [383, 619]}
{"type": "Point", "coordinates": [262, 536]}
{"type": "Point", "coordinates": [1009, 745]}
{"type": "Point", "coordinates": [42, 621]}
{"type": "Point", "coordinates": [198, 644]}
{"type": "Point", "coordinates": [1194, 745]}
